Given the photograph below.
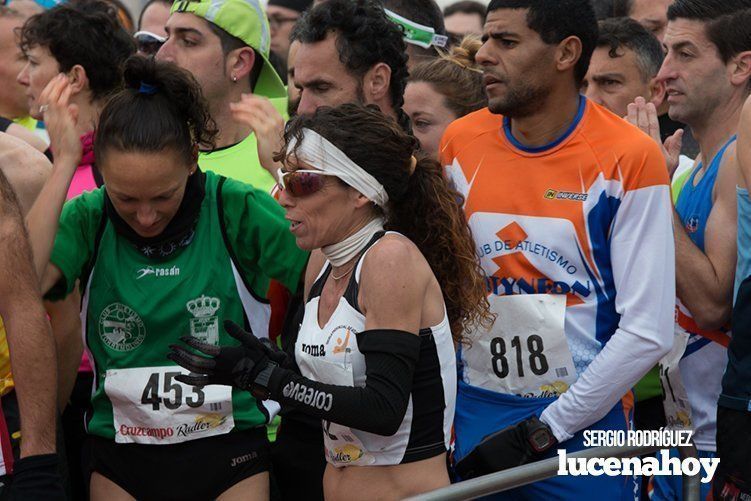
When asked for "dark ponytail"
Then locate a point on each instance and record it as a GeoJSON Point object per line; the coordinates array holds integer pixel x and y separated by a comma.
{"type": "Point", "coordinates": [422, 204]}
{"type": "Point", "coordinates": [431, 215]}
{"type": "Point", "coordinates": [161, 107]}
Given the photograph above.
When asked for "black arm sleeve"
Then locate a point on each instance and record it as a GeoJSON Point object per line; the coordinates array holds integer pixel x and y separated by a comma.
{"type": "Point", "coordinates": [379, 406]}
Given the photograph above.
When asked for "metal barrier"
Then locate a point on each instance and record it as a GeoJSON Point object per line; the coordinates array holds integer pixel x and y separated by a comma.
{"type": "Point", "coordinates": [691, 483]}
{"type": "Point", "coordinates": [547, 468]}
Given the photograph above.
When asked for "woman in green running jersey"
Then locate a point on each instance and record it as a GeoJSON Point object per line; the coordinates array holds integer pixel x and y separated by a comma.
{"type": "Point", "coordinates": [163, 250]}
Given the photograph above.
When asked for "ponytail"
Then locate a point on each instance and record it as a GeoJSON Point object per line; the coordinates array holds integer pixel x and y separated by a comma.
{"type": "Point", "coordinates": [160, 108]}
{"type": "Point", "coordinates": [457, 76]}
{"type": "Point", "coordinates": [430, 215]}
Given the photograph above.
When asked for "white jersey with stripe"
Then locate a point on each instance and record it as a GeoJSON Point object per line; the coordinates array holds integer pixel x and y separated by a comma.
{"type": "Point", "coordinates": [330, 354]}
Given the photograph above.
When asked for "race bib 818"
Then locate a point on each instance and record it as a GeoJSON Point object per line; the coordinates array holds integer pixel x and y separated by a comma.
{"type": "Point", "coordinates": [525, 353]}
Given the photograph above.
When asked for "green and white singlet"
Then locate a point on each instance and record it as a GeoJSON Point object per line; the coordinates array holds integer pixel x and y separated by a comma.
{"type": "Point", "coordinates": [134, 307]}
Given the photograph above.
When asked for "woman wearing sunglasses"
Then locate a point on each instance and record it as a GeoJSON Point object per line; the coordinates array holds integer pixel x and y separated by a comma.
{"type": "Point", "coordinates": [162, 250]}
{"type": "Point", "coordinates": [392, 283]}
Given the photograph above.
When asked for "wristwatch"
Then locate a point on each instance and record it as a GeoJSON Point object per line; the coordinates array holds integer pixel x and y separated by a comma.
{"type": "Point", "coordinates": [260, 387]}
{"type": "Point", "coordinates": [539, 435]}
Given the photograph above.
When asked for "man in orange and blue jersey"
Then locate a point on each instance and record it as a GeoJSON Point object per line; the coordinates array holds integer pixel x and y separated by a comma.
{"type": "Point", "coordinates": [569, 206]}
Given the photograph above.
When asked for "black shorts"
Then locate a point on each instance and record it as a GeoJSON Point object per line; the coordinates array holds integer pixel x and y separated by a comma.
{"type": "Point", "coordinates": [299, 458]}
{"type": "Point", "coordinates": [197, 470]}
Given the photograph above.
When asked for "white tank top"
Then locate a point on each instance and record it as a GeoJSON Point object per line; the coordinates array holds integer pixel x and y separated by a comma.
{"type": "Point", "coordinates": [330, 355]}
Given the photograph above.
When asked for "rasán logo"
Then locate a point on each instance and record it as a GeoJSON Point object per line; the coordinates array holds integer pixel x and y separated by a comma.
{"type": "Point", "coordinates": [174, 271]}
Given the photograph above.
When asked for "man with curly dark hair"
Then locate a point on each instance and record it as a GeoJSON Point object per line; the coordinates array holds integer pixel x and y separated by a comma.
{"type": "Point", "coordinates": [350, 52]}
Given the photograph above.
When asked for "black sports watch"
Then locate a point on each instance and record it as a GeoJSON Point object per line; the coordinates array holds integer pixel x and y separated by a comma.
{"type": "Point", "coordinates": [539, 435]}
{"type": "Point", "coordinates": [260, 387]}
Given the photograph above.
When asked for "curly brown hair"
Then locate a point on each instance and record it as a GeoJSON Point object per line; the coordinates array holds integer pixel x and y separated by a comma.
{"type": "Point", "coordinates": [422, 205]}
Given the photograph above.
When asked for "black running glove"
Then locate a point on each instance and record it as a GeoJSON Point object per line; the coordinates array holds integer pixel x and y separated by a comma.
{"type": "Point", "coordinates": [515, 445]}
{"type": "Point", "coordinates": [247, 367]}
{"type": "Point", "coordinates": [37, 477]}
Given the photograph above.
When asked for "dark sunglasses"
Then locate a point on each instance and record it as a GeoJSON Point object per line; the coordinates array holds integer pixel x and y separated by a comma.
{"type": "Point", "coordinates": [301, 183]}
{"type": "Point", "coordinates": [148, 43]}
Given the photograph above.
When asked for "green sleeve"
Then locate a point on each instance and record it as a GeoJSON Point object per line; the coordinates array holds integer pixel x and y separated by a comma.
{"type": "Point", "coordinates": [678, 184]}
{"type": "Point", "coordinates": [75, 239]}
{"type": "Point", "coordinates": [648, 386]}
{"type": "Point", "coordinates": [260, 235]}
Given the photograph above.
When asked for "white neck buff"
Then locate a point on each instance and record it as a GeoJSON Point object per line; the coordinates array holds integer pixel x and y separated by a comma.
{"type": "Point", "coordinates": [323, 155]}
{"type": "Point", "coordinates": [345, 251]}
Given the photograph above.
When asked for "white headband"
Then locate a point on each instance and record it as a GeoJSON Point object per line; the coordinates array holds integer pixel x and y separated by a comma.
{"type": "Point", "coordinates": [321, 154]}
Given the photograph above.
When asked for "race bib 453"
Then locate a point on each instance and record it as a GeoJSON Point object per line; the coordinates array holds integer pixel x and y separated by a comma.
{"type": "Point", "coordinates": [151, 407]}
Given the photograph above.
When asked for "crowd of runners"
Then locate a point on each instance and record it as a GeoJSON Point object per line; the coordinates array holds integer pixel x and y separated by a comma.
{"type": "Point", "coordinates": [364, 249]}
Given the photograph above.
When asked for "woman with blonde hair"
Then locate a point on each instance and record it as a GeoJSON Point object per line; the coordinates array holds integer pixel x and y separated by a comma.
{"type": "Point", "coordinates": [443, 89]}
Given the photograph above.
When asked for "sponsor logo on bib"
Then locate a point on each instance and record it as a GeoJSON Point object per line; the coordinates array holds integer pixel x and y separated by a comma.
{"type": "Point", "coordinates": [346, 453]}
{"type": "Point", "coordinates": [144, 431]}
{"type": "Point", "coordinates": [202, 424]}
{"type": "Point", "coordinates": [121, 328]}
{"type": "Point", "coordinates": [554, 389]}
{"type": "Point", "coordinates": [205, 324]}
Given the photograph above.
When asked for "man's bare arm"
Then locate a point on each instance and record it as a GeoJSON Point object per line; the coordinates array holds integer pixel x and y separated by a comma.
{"type": "Point", "coordinates": [704, 280]}
{"type": "Point", "coordinates": [32, 349]}
{"type": "Point", "coordinates": [743, 148]}
{"type": "Point", "coordinates": [25, 168]}
{"type": "Point", "coordinates": [27, 136]}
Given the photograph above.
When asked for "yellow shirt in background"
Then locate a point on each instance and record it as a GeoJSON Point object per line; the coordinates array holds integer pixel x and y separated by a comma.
{"type": "Point", "coordinates": [6, 378]}
{"type": "Point", "coordinates": [240, 161]}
